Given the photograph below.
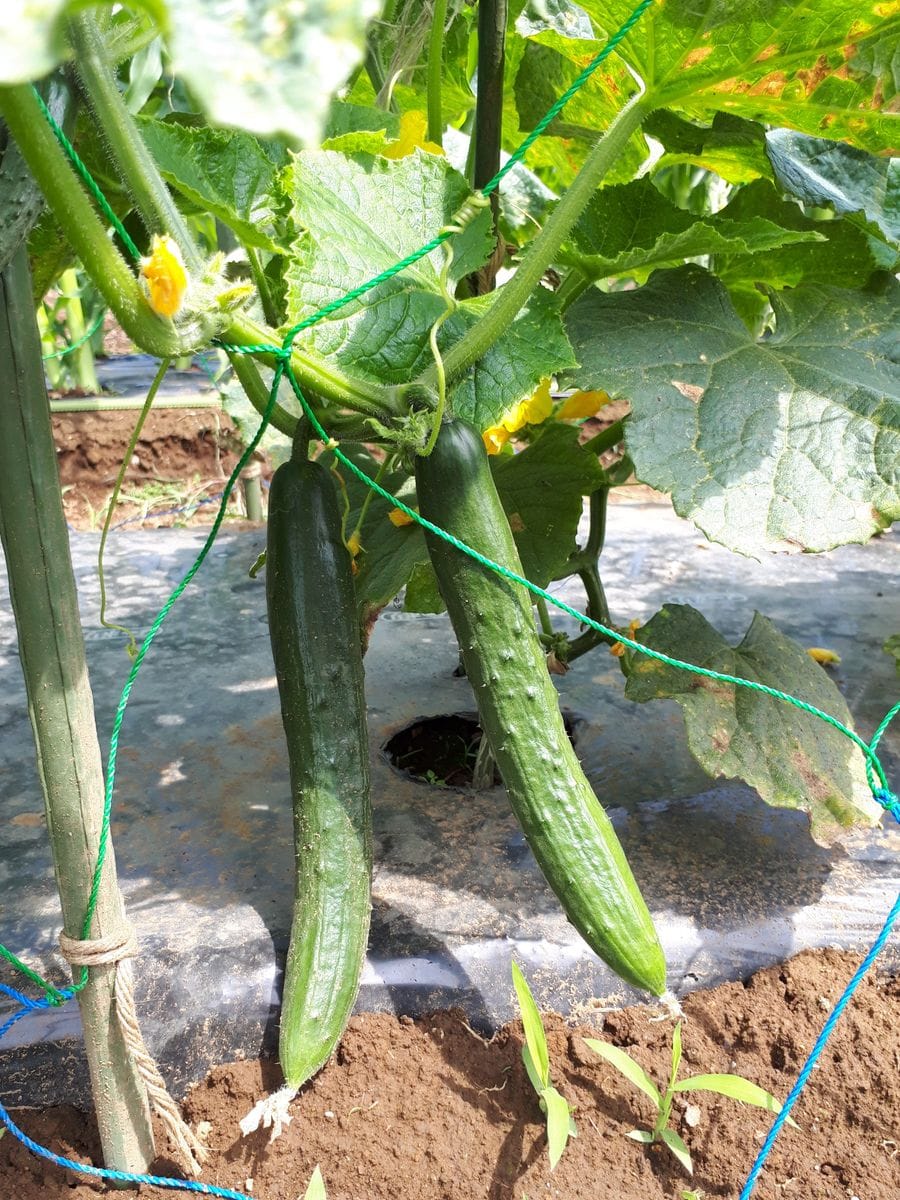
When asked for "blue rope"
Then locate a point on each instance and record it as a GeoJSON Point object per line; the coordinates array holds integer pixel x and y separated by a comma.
{"type": "Point", "coordinates": [891, 805]}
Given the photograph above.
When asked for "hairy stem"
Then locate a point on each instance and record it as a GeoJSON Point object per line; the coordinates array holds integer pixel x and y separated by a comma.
{"type": "Point", "coordinates": [84, 229]}
{"type": "Point", "coordinates": [136, 167]}
{"type": "Point", "coordinates": [542, 251]}
{"type": "Point", "coordinates": [435, 72]}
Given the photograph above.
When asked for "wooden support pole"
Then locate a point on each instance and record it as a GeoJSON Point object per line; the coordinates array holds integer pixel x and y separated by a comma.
{"type": "Point", "coordinates": [51, 647]}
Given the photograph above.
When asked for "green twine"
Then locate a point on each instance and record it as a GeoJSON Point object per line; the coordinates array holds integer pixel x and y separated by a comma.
{"type": "Point", "coordinates": [89, 181]}
{"type": "Point", "coordinates": [86, 337]}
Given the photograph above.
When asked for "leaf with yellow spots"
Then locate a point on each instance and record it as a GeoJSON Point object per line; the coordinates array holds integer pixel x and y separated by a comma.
{"type": "Point", "coordinates": [412, 137]}
{"type": "Point", "coordinates": [792, 761]}
{"type": "Point", "coordinates": [824, 68]}
{"type": "Point", "coordinates": [165, 276]}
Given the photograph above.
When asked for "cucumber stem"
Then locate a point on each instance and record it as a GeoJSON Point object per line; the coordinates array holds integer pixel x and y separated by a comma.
{"type": "Point", "coordinates": [542, 251]}
{"type": "Point", "coordinates": [136, 167]}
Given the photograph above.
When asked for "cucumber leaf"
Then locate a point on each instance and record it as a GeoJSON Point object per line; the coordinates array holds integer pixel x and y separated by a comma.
{"type": "Point", "coordinates": [359, 216]}
{"type": "Point", "coordinates": [791, 441]}
{"type": "Point", "coordinates": [631, 228]}
{"type": "Point", "coordinates": [793, 759]}
{"type": "Point", "coordinates": [541, 489]}
{"type": "Point", "coordinates": [892, 647]}
{"type": "Point", "coordinates": [732, 147]}
{"type": "Point", "coordinates": [824, 68]}
{"type": "Point", "coordinates": [224, 172]}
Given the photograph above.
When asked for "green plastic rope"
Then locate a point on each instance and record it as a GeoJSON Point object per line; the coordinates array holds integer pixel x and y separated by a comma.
{"type": "Point", "coordinates": [86, 337]}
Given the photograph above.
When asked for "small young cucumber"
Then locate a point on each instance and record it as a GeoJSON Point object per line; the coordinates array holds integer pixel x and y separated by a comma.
{"type": "Point", "coordinates": [568, 831]}
{"type": "Point", "coordinates": [318, 662]}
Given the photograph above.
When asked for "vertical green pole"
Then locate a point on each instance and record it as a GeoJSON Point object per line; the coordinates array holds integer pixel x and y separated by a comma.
{"type": "Point", "coordinates": [83, 357]}
{"type": "Point", "coordinates": [51, 647]}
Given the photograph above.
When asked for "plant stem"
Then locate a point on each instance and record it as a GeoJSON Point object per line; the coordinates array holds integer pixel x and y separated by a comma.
{"type": "Point", "coordinates": [575, 284]}
{"type": "Point", "coordinates": [269, 307]}
{"type": "Point", "coordinates": [543, 249]}
{"type": "Point", "coordinates": [83, 357]}
{"type": "Point", "coordinates": [111, 506]}
{"type": "Point", "coordinates": [139, 172]}
{"type": "Point", "coordinates": [85, 231]}
{"type": "Point", "coordinates": [544, 615]}
{"type": "Point", "coordinates": [606, 439]}
{"type": "Point", "coordinates": [597, 509]}
{"type": "Point", "coordinates": [597, 609]}
{"type": "Point", "coordinates": [51, 647]}
{"type": "Point", "coordinates": [435, 72]}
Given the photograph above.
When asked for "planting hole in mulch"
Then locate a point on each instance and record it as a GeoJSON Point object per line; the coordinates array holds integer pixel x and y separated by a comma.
{"type": "Point", "coordinates": [442, 750]}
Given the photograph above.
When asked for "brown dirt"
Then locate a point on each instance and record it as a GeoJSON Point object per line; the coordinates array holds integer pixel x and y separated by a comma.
{"type": "Point", "coordinates": [190, 451]}
{"type": "Point", "coordinates": [428, 1110]}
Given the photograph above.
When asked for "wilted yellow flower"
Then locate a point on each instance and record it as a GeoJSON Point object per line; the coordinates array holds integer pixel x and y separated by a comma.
{"type": "Point", "coordinates": [399, 518]}
{"type": "Point", "coordinates": [495, 438]}
{"type": "Point", "coordinates": [411, 137]}
{"type": "Point", "coordinates": [822, 655]}
{"type": "Point", "coordinates": [354, 545]}
{"type": "Point", "coordinates": [582, 404]}
{"type": "Point", "coordinates": [619, 648]}
{"type": "Point", "coordinates": [165, 276]}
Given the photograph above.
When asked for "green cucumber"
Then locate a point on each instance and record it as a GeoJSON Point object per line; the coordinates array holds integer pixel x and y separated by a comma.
{"type": "Point", "coordinates": [318, 662]}
{"type": "Point", "coordinates": [569, 833]}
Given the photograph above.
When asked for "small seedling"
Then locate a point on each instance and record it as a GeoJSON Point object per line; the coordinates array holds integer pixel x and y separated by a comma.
{"type": "Point", "coordinates": [316, 1187]}
{"type": "Point", "coordinates": [536, 1057]}
{"type": "Point", "coordinates": [735, 1086]}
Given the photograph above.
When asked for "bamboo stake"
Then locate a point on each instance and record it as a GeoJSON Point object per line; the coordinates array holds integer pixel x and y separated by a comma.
{"type": "Point", "coordinates": [51, 646]}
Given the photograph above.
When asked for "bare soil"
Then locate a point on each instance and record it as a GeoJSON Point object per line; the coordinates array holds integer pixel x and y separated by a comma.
{"type": "Point", "coordinates": [428, 1110]}
{"type": "Point", "coordinates": [182, 457]}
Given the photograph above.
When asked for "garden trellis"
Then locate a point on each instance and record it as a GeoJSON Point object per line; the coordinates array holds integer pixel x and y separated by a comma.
{"type": "Point", "coordinates": [281, 355]}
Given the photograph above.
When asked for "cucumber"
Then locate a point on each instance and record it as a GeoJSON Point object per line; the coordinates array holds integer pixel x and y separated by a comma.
{"type": "Point", "coordinates": [569, 833]}
{"type": "Point", "coordinates": [318, 662]}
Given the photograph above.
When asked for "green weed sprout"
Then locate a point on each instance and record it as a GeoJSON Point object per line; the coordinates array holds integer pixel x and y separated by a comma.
{"type": "Point", "coordinates": [536, 1057]}
{"type": "Point", "coordinates": [735, 1086]}
{"type": "Point", "coordinates": [316, 1188]}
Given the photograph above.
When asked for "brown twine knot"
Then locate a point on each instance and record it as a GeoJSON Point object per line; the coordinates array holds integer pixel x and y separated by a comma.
{"type": "Point", "coordinates": [118, 950]}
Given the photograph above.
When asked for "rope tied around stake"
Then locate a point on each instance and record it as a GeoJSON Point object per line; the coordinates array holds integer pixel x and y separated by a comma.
{"type": "Point", "coordinates": [117, 950]}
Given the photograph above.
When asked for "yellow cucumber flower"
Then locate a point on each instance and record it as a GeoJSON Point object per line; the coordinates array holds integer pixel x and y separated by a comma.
{"type": "Point", "coordinates": [165, 276]}
{"type": "Point", "coordinates": [582, 404]}
{"type": "Point", "coordinates": [411, 137]}
{"type": "Point", "coordinates": [399, 518]}
{"type": "Point", "coordinates": [539, 406]}
{"type": "Point", "coordinates": [495, 438]}
{"type": "Point", "coordinates": [618, 648]}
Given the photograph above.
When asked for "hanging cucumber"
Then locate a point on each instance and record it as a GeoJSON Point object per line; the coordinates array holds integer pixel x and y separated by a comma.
{"type": "Point", "coordinates": [568, 831]}
{"type": "Point", "coordinates": [318, 661]}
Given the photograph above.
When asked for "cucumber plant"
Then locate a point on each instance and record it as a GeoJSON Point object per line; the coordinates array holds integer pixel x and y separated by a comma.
{"type": "Point", "coordinates": [706, 233]}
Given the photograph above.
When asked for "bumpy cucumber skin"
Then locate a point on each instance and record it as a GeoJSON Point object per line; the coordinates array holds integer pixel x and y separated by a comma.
{"type": "Point", "coordinates": [318, 662]}
{"type": "Point", "coordinates": [569, 833]}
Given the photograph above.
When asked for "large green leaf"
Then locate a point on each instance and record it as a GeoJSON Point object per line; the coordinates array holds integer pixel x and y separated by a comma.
{"type": "Point", "coordinates": [821, 66]}
{"type": "Point", "coordinates": [541, 490]}
{"type": "Point", "coordinates": [825, 172]}
{"type": "Point", "coordinates": [533, 347]}
{"type": "Point", "coordinates": [269, 67]}
{"type": "Point", "coordinates": [840, 255]}
{"type": "Point", "coordinates": [629, 229]}
{"type": "Point", "coordinates": [225, 172]}
{"type": "Point", "coordinates": [732, 147]}
{"type": "Point", "coordinates": [793, 759]}
{"type": "Point", "coordinates": [791, 441]}
{"type": "Point", "coordinates": [360, 215]}
{"type": "Point", "coordinates": [363, 213]}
